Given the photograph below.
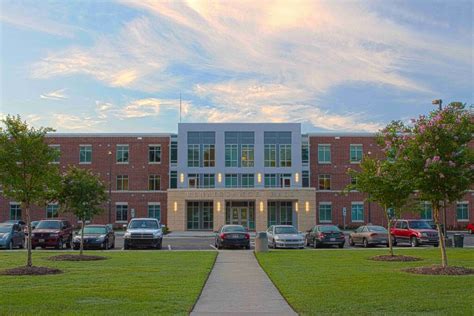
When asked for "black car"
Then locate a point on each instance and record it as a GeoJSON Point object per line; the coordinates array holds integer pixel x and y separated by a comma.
{"type": "Point", "coordinates": [325, 235]}
{"type": "Point", "coordinates": [232, 236]}
{"type": "Point", "coordinates": [95, 237]}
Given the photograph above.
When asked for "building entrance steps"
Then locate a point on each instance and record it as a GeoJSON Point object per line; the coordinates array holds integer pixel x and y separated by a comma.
{"type": "Point", "coordinates": [237, 285]}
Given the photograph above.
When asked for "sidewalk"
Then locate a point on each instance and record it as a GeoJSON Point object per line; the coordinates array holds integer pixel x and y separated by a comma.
{"type": "Point", "coordinates": [238, 286]}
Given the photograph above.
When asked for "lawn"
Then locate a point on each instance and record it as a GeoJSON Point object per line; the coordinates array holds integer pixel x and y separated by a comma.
{"type": "Point", "coordinates": [325, 282]}
{"type": "Point", "coordinates": [130, 282]}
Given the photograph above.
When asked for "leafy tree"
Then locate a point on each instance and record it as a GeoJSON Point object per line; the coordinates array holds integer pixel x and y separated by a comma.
{"type": "Point", "coordinates": [82, 194]}
{"type": "Point", "coordinates": [26, 172]}
{"type": "Point", "coordinates": [436, 156]}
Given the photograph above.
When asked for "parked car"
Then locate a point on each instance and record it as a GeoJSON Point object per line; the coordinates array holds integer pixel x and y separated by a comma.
{"type": "Point", "coordinates": [95, 236]}
{"type": "Point", "coordinates": [232, 236]}
{"type": "Point", "coordinates": [325, 235]}
{"type": "Point", "coordinates": [470, 228]}
{"type": "Point", "coordinates": [33, 226]}
{"type": "Point", "coordinates": [284, 236]}
{"type": "Point", "coordinates": [16, 221]}
{"type": "Point", "coordinates": [55, 233]}
{"type": "Point", "coordinates": [143, 233]}
{"type": "Point", "coordinates": [433, 224]}
{"type": "Point", "coordinates": [415, 232]}
{"type": "Point", "coordinates": [11, 235]}
{"type": "Point", "coordinates": [369, 235]}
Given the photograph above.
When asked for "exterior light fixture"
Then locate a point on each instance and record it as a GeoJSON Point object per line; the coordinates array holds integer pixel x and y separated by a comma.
{"type": "Point", "coordinates": [175, 206]}
{"type": "Point", "coordinates": [296, 207]}
{"type": "Point", "coordinates": [306, 206]}
{"type": "Point", "coordinates": [259, 177]}
{"type": "Point", "coordinates": [261, 206]}
{"type": "Point", "coordinates": [219, 177]}
{"type": "Point", "coordinates": [297, 177]}
{"type": "Point", "coordinates": [219, 206]}
{"type": "Point", "coordinates": [181, 177]}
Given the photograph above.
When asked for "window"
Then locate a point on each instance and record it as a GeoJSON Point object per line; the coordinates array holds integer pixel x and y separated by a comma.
{"type": "Point", "coordinates": [305, 153]}
{"type": "Point", "coordinates": [247, 155]}
{"type": "Point", "coordinates": [324, 181]}
{"type": "Point", "coordinates": [305, 178]}
{"type": "Point", "coordinates": [122, 154]}
{"type": "Point", "coordinates": [122, 183]}
{"type": "Point", "coordinates": [174, 152]}
{"type": "Point", "coordinates": [193, 155]}
{"type": "Point", "coordinates": [355, 152]}
{"type": "Point", "coordinates": [52, 211]}
{"type": "Point", "coordinates": [199, 215]}
{"type": "Point", "coordinates": [193, 181]}
{"type": "Point", "coordinates": [85, 154]}
{"type": "Point", "coordinates": [357, 212]}
{"type": "Point", "coordinates": [270, 180]}
{"type": "Point", "coordinates": [209, 158]}
{"type": "Point", "coordinates": [285, 155]}
{"type": "Point", "coordinates": [121, 211]}
{"type": "Point", "coordinates": [208, 180]}
{"type": "Point", "coordinates": [353, 180]}
{"type": "Point", "coordinates": [285, 180]}
{"type": "Point", "coordinates": [231, 181]}
{"type": "Point", "coordinates": [57, 148]}
{"type": "Point", "coordinates": [154, 153]}
{"type": "Point", "coordinates": [462, 211]}
{"type": "Point", "coordinates": [270, 155]}
{"type": "Point", "coordinates": [154, 182]}
{"type": "Point", "coordinates": [426, 211]}
{"type": "Point", "coordinates": [325, 212]}
{"type": "Point", "coordinates": [15, 211]}
{"type": "Point", "coordinates": [280, 213]}
{"type": "Point", "coordinates": [154, 211]}
{"type": "Point", "coordinates": [248, 180]}
{"type": "Point", "coordinates": [231, 155]}
{"type": "Point", "coordinates": [173, 179]}
{"type": "Point", "coordinates": [324, 153]}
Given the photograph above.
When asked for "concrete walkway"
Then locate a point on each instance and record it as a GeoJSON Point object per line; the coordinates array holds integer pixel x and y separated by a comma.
{"type": "Point", "coordinates": [238, 286]}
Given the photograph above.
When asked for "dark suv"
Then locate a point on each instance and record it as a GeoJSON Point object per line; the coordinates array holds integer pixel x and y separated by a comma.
{"type": "Point", "coordinates": [52, 233]}
{"type": "Point", "coordinates": [415, 232]}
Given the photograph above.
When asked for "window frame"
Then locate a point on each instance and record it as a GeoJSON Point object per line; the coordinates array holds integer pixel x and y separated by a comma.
{"type": "Point", "coordinates": [320, 147]}
{"type": "Point", "coordinates": [88, 153]}
{"type": "Point", "coordinates": [270, 149]}
{"type": "Point", "coordinates": [192, 162]}
{"type": "Point", "coordinates": [150, 146]}
{"type": "Point", "coordinates": [284, 153]}
{"type": "Point", "coordinates": [123, 179]}
{"type": "Point", "coordinates": [354, 146]}
{"type": "Point", "coordinates": [466, 204]}
{"type": "Point", "coordinates": [325, 204]}
{"type": "Point", "coordinates": [121, 205]}
{"type": "Point", "coordinates": [362, 209]}
{"type": "Point", "coordinates": [247, 150]}
{"type": "Point", "coordinates": [122, 156]}
{"type": "Point", "coordinates": [210, 161]}
{"type": "Point", "coordinates": [326, 184]}
{"type": "Point", "coordinates": [152, 185]}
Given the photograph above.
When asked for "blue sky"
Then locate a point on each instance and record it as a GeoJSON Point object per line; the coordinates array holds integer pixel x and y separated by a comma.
{"type": "Point", "coordinates": [120, 66]}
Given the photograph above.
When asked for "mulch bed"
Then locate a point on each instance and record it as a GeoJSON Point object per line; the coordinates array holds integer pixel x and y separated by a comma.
{"type": "Point", "coordinates": [399, 258]}
{"type": "Point", "coordinates": [76, 258]}
{"type": "Point", "coordinates": [439, 270]}
{"type": "Point", "coordinates": [30, 271]}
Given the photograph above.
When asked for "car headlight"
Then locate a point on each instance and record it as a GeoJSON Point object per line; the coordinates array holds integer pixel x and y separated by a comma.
{"type": "Point", "coordinates": [424, 234]}
{"type": "Point", "coordinates": [6, 235]}
{"type": "Point", "coordinates": [33, 235]}
{"type": "Point", "coordinates": [277, 238]}
{"type": "Point", "coordinates": [101, 237]}
{"type": "Point", "coordinates": [156, 235]}
{"type": "Point", "coordinates": [126, 235]}
{"type": "Point", "coordinates": [77, 238]}
{"type": "Point", "coordinates": [54, 235]}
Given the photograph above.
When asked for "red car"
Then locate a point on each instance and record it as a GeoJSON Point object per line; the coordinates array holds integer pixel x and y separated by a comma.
{"type": "Point", "coordinates": [415, 232]}
{"type": "Point", "coordinates": [52, 233]}
{"type": "Point", "coordinates": [470, 228]}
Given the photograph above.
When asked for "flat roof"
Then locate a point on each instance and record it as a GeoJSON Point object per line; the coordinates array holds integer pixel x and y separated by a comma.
{"type": "Point", "coordinates": [109, 134]}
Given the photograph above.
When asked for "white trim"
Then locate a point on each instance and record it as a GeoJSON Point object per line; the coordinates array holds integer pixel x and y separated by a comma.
{"type": "Point", "coordinates": [139, 191]}
{"type": "Point", "coordinates": [462, 220]}
{"type": "Point", "coordinates": [340, 134]}
{"type": "Point", "coordinates": [357, 203]}
{"type": "Point", "coordinates": [49, 135]}
{"type": "Point", "coordinates": [15, 203]}
{"type": "Point", "coordinates": [121, 203]}
{"type": "Point", "coordinates": [326, 221]}
{"type": "Point", "coordinates": [325, 203]}
{"type": "Point", "coordinates": [83, 145]}
{"type": "Point", "coordinates": [154, 203]}
{"type": "Point", "coordinates": [85, 163]}
{"type": "Point", "coordinates": [357, 221]}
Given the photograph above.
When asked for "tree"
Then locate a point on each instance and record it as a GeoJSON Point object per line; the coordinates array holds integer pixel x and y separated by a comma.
{"type": "Point", "coordinates": [384, 184]}
{"type": "Point", "coordinates": [436, 156]}
{"type": "Point", "coordinates": [26, 172]}
{"type": "Point", "coordinates": [82, 193]}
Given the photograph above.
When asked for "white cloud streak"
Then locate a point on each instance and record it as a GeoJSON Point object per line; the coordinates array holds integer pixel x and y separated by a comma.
{"type": "Point", "coordinates": [56, 95]}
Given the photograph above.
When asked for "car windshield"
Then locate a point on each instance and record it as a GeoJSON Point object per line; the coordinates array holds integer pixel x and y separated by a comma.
{"type": "Point", "coordinates": [377, 229]}
{"type": "Point", "coordinates": [285, 230]}
{"type": "Point", "coordinates": [145, 224]}
{"type": "Point", "coordinates": [5, 228]}
{"type": "Point", "coordinates": [231, 229]}
{"type": "Point", "coordinates": [325, 229]}
{"type": "Point", "coordinates": [48, 225]}
{"type": "Point", "coordinates": [419, 225]}
{"type": "Point", "coordinates": [94, 230]}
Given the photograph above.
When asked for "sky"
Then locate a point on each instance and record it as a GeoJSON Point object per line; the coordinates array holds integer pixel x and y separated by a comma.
{"type": "Point", "coordinates": [121, 66]}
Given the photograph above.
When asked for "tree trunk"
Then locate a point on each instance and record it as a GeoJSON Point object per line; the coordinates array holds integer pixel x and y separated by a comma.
{"type": "Point", "coordinates": [82, 239]}
{"type": "Point", "coordinates": [442, 245]}
{"type": "Point", "coordinates": [29, 261]}
{"type": "Point", "coordinates": [389, 226]}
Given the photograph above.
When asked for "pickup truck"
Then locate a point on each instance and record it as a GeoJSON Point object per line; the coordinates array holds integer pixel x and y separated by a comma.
{"type": "Point", "coordinates": [143, 233]}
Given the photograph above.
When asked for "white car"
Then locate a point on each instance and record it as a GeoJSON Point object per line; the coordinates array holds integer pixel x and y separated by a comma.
{"type": "Point", "coordinates": [143, 233]}
{"type": "Point", "coordinates": [284, 236]}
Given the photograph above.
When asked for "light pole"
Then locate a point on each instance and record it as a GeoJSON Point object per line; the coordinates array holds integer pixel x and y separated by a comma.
{"type": "Point", "coordinates": [438, 102]}
{"type": "Point", "coordinates": [110, 186]}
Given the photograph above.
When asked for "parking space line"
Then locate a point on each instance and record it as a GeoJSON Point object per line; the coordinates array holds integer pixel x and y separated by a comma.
{"type": "Point", "coordinates": [213, 247]}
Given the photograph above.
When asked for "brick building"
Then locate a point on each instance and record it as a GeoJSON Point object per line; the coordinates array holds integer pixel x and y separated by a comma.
{"type": "Point", "coordinates": [211, 174]}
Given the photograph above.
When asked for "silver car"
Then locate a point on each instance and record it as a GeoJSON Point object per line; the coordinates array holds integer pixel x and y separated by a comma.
{"type": "Point", "coordinates": [284, 236]}
{"type": "Point", "coordinates": [143, 233]}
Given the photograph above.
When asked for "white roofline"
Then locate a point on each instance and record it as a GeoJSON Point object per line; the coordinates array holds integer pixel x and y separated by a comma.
{"type": "Point", "coordinates": [341, 134]}
{"type": "Point", "coordinates": [109, 134]}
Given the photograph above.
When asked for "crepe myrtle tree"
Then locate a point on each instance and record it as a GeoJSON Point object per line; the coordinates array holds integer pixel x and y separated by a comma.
{"type": "Point", "coordinates": [82, 193]}
{"type": "Point", "coordinates": [435, 155]}
{"type": "Point", "coordinates": [27, 174]}
{"type": "Point", "coordinates": [384, 184]}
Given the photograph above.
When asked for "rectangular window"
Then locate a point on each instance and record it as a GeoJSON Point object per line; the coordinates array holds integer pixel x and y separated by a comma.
{"type": "Point", "coordinates": [208, 180]}
{"type": "Point", "coordinates": [15, 211]}
{"type": "Point", "coordinates": [355, 152]}
{"type": "Point", "coordinates": [209, 155]}
{"type": "Point", "coordinates": [57, 148]}
{"type": "Point", "coordinates": [154, 182]}
{"type": "Point", "coordinates": [305, 153]}
{"type": "Point", "coordinates": [122, 183]}
{"type": "Point", "coordinates": [173, 179]}
{"type": "Point", "coordinates": [231, 155]}
{"type": "Point", "coordinates": [462, 211]}
{"type": "Point", "coordinates": [154, 153]}
{"type": "Point", "coordinates": [121, 212]}
{"type": "Point", "coordinates": [174, 152]}
{"type": "Point", "coordinates": [324, 153]}
{"type": "Point", "coordinates": [325, 212]}
{"type": "Point", "coordinates": [280, 213]}
{"type": "Point", "coordinates": [248, 180]}
{"type": "Point", "coordinates": [357, 212]}
{"type": "Point", "coordinates": [285, 155]}
{"type": "Point", "coordinates": [52, 211]}
{"type": "Point", "coordinates": [247, 154]}
{"type": "Point", "coordinates": [122, 154]}
{"type": "Point", "coordinates": [305, 179]}
{"type": "Point", "coordinates": [270, 155]}
{"type": "Point", "coordinates": [199, 215]}
{"type": "Point", "coordinates": [154, 211]}
{"type": "Point", "coordinates": [285, 180]}
{"type": "Point", "coordinates": [85, 154]}
{"type": "Point", "coordinates": [324, 182]}
{"type": "Point", "coordinates": [426, 211]}
{"type": "Point", "coordinates": [271, 180]}
{"type": "Point", "coordinates": [231, 181]}
{"type": "Point", "coordinates": [193, 155]}
{"type": "Point", "coordinates": [193, 180]}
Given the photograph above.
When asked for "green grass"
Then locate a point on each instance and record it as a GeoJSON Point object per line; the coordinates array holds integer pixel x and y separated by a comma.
{"type": "Point", "coordinates": [344, 282]}
{"type": "Point", "coordinates": [130, 282]}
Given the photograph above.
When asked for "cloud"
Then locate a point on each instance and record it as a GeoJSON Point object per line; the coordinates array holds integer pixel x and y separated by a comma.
{"type": "Point", "coordinates": [140, 108]}
{"type": "Point", "coordinates": [70, 122]}
{"type": "Point", "coordinates": [55, 95]}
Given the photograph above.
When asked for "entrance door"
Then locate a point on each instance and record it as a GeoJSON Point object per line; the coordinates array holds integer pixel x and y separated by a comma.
{"type": "Point", "coordinates": [239, 216]}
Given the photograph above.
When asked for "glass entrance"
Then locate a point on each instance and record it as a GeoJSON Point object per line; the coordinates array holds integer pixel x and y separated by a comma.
{"type": "Point", "coordinates": [241, 213]}
{"type": "Point", "coordinates": [239, 216]}
{"type": "Point", "coordinates": [199, 215]}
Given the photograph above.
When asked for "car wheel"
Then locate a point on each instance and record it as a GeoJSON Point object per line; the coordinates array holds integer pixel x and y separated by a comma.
{"type": "Point", "coordinates": [75, 247]}
{"type": "Point", "coordinates": [366, 243]}
{"type": "Point", "coordinates": [394, 241]}
{"type": "Point", "coordinates": [414, 242]}
{"type": "Point", "coordinates": [126, 246]}
{"type": "Point", "coordinates": [307, 242]}
{"type": "Point", "coordinates": [22, 244]}
{"type": "Point", "coordinates": [69, 244]}
{"type": "Point", "coordinates": [10, 245]}
{"type": "Point", "coordinates": [274, 244]}
{"type": "Point", "coordinates": [436, 245]}
{"type": "Point", "coordinates": [60, 244]}
{"type": "Point", "coordinates": [247, 247]}
{"type": "Point", "coordinates": [160, 245]}
{"type": "Point", "coordinates": [351, 242]}
{"type": "Point", "coordinates": [113, 245]}
{"type": "Point", "coordinates": [104, 245]}
{"type": "Point", "coordinates": [341, 245]}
